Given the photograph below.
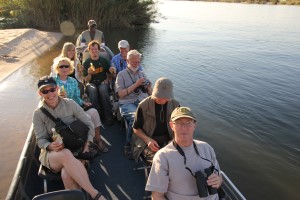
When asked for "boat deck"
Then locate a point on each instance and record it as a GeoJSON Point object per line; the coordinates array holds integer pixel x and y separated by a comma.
{"type": "Point", "coordinates": [114, 175]}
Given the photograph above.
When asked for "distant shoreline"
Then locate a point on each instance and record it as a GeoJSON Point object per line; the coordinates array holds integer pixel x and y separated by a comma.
{"type": "Point", "coordinates": [274, 2]}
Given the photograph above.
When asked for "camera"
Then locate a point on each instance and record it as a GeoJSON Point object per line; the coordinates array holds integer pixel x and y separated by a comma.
{"type": "Point", "coordinates": [201, 181]}
{"type": "Point", "coordinates": [142, 87]}
{"type": "Point", "coordinates": [146, 83]}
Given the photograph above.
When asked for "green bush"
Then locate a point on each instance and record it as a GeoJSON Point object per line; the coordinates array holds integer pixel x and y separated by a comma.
{"type": "Point", "coordinates": [48, 14]}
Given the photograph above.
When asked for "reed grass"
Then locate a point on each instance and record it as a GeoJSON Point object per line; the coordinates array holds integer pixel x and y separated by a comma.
{"type": "Point", "coordinates": [48, 14]}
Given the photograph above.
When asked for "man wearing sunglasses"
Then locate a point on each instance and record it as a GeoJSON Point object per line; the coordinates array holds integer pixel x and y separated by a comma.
{"type": "Point", "coordinates": [53, 154]}
{"type": "Point", "coordinates": [91, 34]}
{"type": "Point", "coordinates": [175, 167]}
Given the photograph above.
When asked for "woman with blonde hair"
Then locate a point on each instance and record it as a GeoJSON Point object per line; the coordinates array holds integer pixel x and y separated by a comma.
{"type": "Point", "coordinates": [69, 51]}
{"type": "Point", "coordinates": [63, 67]}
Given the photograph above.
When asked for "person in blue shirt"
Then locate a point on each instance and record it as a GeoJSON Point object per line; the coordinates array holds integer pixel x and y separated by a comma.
{"type": "Point", "coordinates": [119, 60]}
{"type": "Point", "coordinates": [63, 67]}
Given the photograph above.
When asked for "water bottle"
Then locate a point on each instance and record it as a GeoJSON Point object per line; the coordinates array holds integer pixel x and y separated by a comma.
{"type": "Point", "coordinates": [56, 137]}
{"type": "Point", "coordinates": [62, 92]}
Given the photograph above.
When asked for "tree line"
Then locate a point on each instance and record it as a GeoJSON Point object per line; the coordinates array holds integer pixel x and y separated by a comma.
{"type": "Point", "coordinates": [48, 14]}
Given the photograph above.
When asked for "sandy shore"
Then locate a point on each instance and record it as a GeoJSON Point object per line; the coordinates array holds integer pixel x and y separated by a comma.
{"type": "Point", "coordinates": [20, 46]}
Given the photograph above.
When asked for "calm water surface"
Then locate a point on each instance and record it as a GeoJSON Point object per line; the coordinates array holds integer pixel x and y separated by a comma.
{"type": "Point", "coordinates": [236, 65]}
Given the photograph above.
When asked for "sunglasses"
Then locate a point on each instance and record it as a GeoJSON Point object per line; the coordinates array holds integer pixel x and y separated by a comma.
{"type": "Point", "coordinates": [47, 91]}
{"type": "Point", "coordinates": [64, 66]}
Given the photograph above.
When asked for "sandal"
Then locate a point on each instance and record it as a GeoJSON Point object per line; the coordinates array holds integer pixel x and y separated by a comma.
{"type": "Point", "coordinates": [98, 196]}
{"type": "Point", "coordinates": [94, 148]}
{"type": "Point", "coordinates": [128, 152]}
{"type": "Point", "coordinates": [101, 146]}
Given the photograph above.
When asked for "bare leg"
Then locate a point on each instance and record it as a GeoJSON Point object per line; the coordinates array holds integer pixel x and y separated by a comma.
{"type": "Point", "coordinates": [69, 183]}
{"type": "Point", "coordinates": [101, 145]}
{"type": "Point", "coordinates": [64, 159]}
{"type": "Point", "coordinates": [97, 134]}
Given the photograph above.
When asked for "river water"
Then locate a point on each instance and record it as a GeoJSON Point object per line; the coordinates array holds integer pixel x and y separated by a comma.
{"type": "Point", "coordinates": [236, 65]}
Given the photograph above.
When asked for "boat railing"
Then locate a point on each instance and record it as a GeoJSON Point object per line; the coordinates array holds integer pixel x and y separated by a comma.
{"type": "Point", "coordinates": [16, 187]}
{"type": "Point", "coordinates": [231, 191]}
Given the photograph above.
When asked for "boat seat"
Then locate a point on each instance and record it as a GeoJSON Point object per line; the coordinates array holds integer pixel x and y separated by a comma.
{"type": "Point", "coordinates": [102, 53]}
{"type": "Point", "coordinates": [61, 195]}
{"type": "Point", "coordinates": [47, 174]}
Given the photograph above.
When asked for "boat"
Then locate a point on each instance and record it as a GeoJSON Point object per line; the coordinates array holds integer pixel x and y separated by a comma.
{"type": "Point", "coordinates": [111, 173]}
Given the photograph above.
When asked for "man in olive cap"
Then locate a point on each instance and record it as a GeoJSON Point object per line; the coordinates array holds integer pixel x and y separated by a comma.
{"type": "Point", "coordinates": [91, 34]}
{"type": "Point", "coordinates": [174, 167]}
{"type": "Point", "coordinates": [151, 127]}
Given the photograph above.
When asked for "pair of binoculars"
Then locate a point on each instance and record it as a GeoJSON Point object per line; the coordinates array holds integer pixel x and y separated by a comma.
{"type": "Point", "coordinates": [201, 180]}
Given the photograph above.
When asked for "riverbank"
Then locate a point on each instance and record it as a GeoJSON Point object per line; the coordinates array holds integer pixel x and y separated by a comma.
{"type": "Point", "coordinates": [18, 47]}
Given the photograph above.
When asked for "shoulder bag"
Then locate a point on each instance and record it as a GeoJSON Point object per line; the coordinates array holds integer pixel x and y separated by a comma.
{"type": "Point", "coordinates": [74, 136]}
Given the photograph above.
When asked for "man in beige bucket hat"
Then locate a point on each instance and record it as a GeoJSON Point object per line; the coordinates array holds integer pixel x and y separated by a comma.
{"type": "Point", "coordinates": [151, 127]}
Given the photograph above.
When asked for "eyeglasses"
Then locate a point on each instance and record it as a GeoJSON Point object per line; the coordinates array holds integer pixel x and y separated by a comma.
{"type": "Point", "coordinates": [47, 91]}
{"type": "Point", "coordinates": [182, 124]}
{"type": "Point", "coordinates": [64, 66]}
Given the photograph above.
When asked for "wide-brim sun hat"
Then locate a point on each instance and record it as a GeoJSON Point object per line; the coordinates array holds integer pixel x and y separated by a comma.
{"type": "Point", "coordinates": [163, 88]}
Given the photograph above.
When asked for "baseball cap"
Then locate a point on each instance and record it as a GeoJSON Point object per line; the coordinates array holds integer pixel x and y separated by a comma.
{"type": "Point", "coordinates": [92, 22]}
{"type": "Point", "coordinates": [163, 88]}
{"type": "Point", "coordinates": [46, 81]}
{"type": "Point", "coordinates": [181, 112]}
{"type": "Point", "coordinates": [123, 44]}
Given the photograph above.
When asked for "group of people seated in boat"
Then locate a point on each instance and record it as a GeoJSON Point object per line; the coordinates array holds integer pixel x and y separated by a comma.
{"type": "Point", "coordinates": [158, 128]}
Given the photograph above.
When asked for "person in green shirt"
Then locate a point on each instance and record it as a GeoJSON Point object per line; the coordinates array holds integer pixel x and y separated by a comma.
{"type": "Point", "coordinates": [95, 72]}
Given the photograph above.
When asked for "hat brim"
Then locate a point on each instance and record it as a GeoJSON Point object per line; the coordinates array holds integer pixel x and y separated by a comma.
{"type": "Point", "coordinates": [182, 116]}
{"type": "Point", "coordinates": [50, 84]}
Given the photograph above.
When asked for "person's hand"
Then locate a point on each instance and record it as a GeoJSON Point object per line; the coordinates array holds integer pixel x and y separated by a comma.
{"type": "Point", "coordinates": [86, 104]}
{"type": "Point", "coordinates": [105, 81]}
{"type": "Point", "coordinates": [140, 82]}
{"type": "Point", "coordinates": [214, 180]}
{"type": "Point", "coordinates": [80, 67]}
{"type": "Point", "coordinates": [62, 94]}
{"type": "Point", "coordinates": [86, 147]}
{"type": "Point", "coordinates": [112, 70]}
{"type": "Point", "coordinates": [152, 144]}
{"type": "Point", "coordinates": [91, 71]}
{"type": "Point", "coordinates": [55, 146]}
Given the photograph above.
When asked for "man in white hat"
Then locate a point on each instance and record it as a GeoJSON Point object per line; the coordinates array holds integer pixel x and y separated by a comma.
{"type": "Point", "coordinates": [119, 60]}
{"type": "Point", "coordinates": [151, 121]}
{"type": "Point", "coordinates": [91, 34]}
